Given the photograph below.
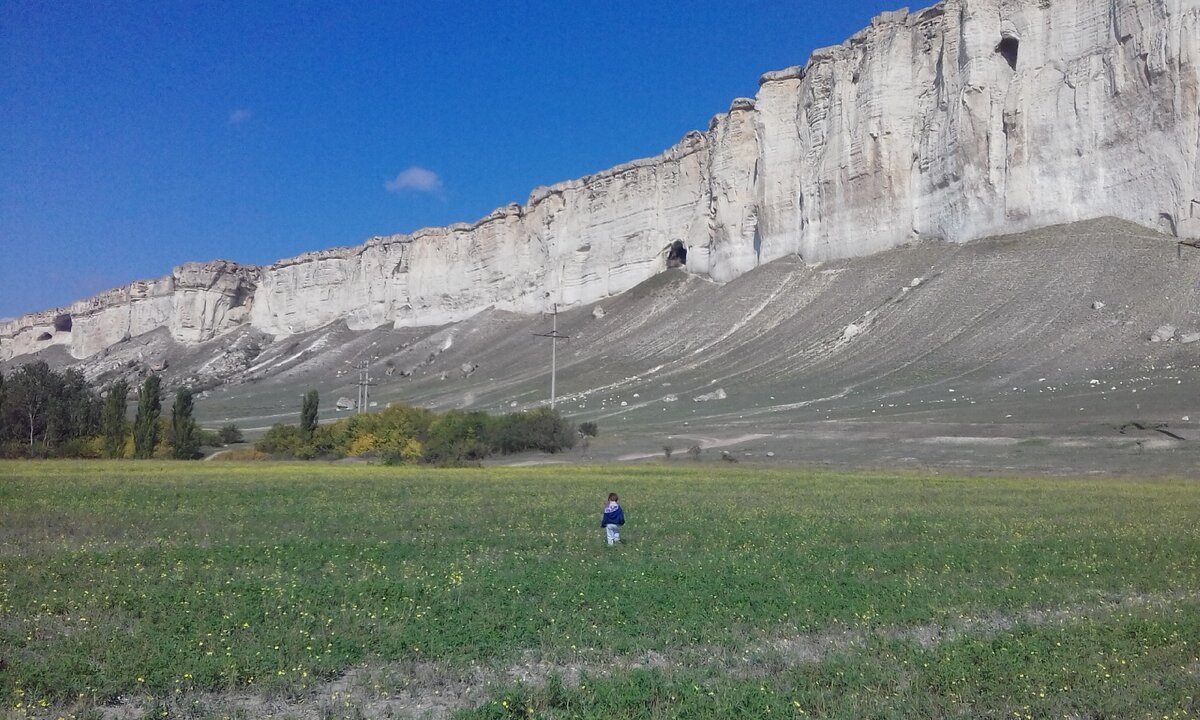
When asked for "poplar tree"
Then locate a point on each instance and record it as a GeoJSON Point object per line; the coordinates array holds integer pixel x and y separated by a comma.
{"type": "Point", "coordinates": [145, 423]}
{"type": "Point", "coordinates": [114, 424]}
{"type": "Point", "coordinates": [308, 414]}
{"type": "Point", "coordinates": [185, 438]}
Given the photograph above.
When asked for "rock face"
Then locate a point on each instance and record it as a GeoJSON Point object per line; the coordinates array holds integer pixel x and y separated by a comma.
{"type": "Point", "coordinates": [196, 302]}
{"type": "Point", "coordinates": [968, 119]}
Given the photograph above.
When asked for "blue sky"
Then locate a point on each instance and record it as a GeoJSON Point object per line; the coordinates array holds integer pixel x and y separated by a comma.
{"type": "Point", "coordinates": [137, 135]}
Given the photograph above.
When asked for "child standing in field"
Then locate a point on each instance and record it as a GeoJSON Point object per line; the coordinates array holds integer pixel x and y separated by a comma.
{"type": "Point", "coordinates": [614, 518]}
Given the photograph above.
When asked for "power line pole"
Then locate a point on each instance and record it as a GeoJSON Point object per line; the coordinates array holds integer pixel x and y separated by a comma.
{"type": "Point", "coordinates": [364, 385]}
{"type": "Point", "coordinates": [554, 338]}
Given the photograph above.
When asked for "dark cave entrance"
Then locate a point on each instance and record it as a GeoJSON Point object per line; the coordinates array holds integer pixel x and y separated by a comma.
{"type": "Point", "coordinates": [62, 323]}
{"type": "Point", "coordinates": [677, 254]}
{"type": "Point", "coordinates": [1008, 49]}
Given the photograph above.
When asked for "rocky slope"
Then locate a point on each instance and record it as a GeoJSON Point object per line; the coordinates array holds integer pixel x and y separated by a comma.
{"type": "Point", "coordinates": [1025, 351]}
{"type": "Point", "coordinates": [964, 120]}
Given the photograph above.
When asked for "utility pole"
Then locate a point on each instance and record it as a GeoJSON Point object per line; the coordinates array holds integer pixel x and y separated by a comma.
{"type": "Point", "coordinates": [364, 385]}
{"type": "Point", "coordinates": [554, 338]}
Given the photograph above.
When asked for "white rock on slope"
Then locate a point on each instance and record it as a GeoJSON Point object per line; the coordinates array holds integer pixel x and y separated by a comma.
{"type": "Point", "coordinates": [967, 119]}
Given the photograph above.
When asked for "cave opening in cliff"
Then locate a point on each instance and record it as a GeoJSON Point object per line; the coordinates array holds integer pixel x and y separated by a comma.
{"type": "Point", "coordinates": [677, 254]}
{"type": "Point", "coordinates": [62, 323]}
{"type": "Point", "coordinates": [1008, 48]}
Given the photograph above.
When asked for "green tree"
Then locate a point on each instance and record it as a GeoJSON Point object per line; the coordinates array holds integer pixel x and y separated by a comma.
{"type": "Point", "coordinates": [74, 408]}
{"type": "Point", "coordinates": [145, 423]}
{"type": "Point", "coordinates": [30, 391]}
{"type": "Point", "coordinates": [540, 429]}
{"type": "Point", "coordinates": [308, 414]}
{"type": "Point", "coordinates": [184, 435]}
{"type": "Point", "coordinates": [114, 423]}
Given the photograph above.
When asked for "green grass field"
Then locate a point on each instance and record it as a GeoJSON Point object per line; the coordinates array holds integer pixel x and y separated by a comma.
{"type": "Point", "coordinates": [226, 590]}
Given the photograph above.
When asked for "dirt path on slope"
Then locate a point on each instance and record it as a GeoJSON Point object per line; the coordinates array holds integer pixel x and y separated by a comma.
{"type": "Point", "coordinates": [705, 443]}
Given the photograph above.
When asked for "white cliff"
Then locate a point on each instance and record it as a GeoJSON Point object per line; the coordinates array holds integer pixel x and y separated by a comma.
{"type": "Point", "coordinates": [196, 302]}
{"type": "Point", "coordinates": [967, 119]}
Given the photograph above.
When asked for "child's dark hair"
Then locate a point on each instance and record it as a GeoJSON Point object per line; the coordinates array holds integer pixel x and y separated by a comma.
{"type": "Point", "coordinates": [612, 497]}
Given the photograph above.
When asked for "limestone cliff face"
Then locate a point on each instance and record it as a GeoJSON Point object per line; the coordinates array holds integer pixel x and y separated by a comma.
{"type": "Point", "coordinates": [196, 302]}
{"type": "Point", "coordinates": [967, 119]}
{"type": "Point", "coordinates": [977, 117]}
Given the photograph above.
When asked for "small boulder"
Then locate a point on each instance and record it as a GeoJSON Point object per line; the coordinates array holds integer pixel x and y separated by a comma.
{"type": "Point", "coordinates": [852, 330]}
{"type": "Point", "coordinates": [1163, 333]}
{"type": "Point", "coordinates": [1097, 305]}
{"type": "Point", "coordinates": [718, 394]}
{"type": "Point", "coordinates": [344, 403]}
{"type": "Point", "coordinates": [598, 312]}
{"type": "Point", "coordinates": [1189, 338]}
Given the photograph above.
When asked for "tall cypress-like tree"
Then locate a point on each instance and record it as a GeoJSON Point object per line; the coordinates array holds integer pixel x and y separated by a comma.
{"type": "Point", "coordinates": [185, 438]}
{"type": "Point", "coordinates": [145, 424]}
{"type": "Point", "coordinates": [308, 414]}
{"type": "Point", "coordinates": [114, 424]}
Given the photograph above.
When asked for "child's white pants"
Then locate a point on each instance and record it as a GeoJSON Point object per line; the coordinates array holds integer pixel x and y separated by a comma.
{"type": "Point", "coordinates": [613, 532]}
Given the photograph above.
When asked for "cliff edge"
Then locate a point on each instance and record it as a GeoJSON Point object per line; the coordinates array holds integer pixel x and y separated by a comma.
{"type": "Point", "coordinates": [967, 119]}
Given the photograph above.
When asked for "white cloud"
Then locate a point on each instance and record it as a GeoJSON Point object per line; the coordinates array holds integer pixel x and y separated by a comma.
{"type": "Point", "coordinates": [417, 179]}
{"type": "Point", "coordinates": [240, 115]}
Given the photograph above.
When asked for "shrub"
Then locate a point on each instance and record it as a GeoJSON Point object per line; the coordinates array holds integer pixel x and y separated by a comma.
{"type": "Point", "coordinates": [412, 452]}
{"type": "Point", "coordinates": [363, 444]}
{"type": "Point", "coordinates": [541, 429]}
{"type": "Point", "coordinates": [281, 439]}
{"type": "Point", "coordinates": [590, 429]}
{"type": "Point", "coordinates": [458, 436]}
{"type": "Point", "coordinates": [76, 448]}
{"type": "Point", "coordinates": [230, 434]}
{"type": "Point", "coordinates": [467, 451]}
{"type": "Point", "coordinates": [209, 438]}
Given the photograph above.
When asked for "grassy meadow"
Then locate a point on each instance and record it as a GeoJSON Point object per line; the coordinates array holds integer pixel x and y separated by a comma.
{"type": "Point", "coordinates": [314, 590]}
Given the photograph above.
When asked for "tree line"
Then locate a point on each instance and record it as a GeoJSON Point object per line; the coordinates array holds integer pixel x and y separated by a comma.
{"type": "Point", "coordinates": [404, 434]}
{"type": "Point", "coordinates": [47, 413]}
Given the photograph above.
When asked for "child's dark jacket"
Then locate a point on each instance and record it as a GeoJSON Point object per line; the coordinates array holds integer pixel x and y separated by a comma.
{"type": "Point", "coordinates": [615, 516]}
